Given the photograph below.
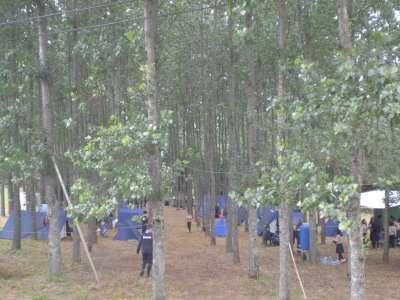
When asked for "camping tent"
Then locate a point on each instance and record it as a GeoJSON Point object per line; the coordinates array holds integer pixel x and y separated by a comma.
{"type": "Point", "coordinates": [128, 229]}
{"type": "Point", "coordinates": [26, 225]}
{"type": "Point", "coordinates": [375, 199]}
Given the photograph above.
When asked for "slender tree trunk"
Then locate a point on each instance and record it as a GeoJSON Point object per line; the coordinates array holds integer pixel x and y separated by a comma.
{"type": "Point", "coordinates": [313, 236]}
{"type": "Point", "coordinates": [91, 233]}
{"type": "Point", "coordinates": [47, 124]}
{"type": "Point", "coordinates": [386, 229]}
{"type": "Point", "coordinates": [357, 289]}
{"type": "Point", "coordinates": [322, 233]}
{"type": "Point", "coordinates": [284, 241]}
{"type": "Point", "coordinates": [284, 211]}
{"type": "Point", "coordinates": [151, 8]}
{"type": "Point", "coordinates": [10, 190]}
{"type": "Point", "coordinates": [252, 103]}
{"type": "Point", "coordinates": [2, 201]}
{"type": "Point", "coordinates": [232, 241]}
{"type": "Point", "coordinates": [16, 243]}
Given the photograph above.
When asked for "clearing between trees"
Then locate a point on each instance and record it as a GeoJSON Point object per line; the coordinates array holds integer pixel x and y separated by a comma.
{"type": "Point", "coordinates": [194, 270]}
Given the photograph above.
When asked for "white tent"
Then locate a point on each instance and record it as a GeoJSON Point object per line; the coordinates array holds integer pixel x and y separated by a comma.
{"type": "Point", "coordinates": [375, 199]}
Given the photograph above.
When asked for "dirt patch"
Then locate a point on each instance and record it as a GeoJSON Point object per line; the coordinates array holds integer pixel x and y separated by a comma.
{"type": "Point", "coordinates": [194, 270]}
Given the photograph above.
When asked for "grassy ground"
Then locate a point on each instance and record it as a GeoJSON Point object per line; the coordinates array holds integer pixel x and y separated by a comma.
{"type": "Point", "coordinates": [194, 270]}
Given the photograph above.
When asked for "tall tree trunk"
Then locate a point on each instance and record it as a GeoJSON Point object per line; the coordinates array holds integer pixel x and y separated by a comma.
{"type": "Point", "coordinates": [2, 201]}
{"type": "Point", "coordinates": [232, 241]}
{"type": "Point", "coordinates": [16, 243]}
{"type": "Point", "coordinates": [151, 8]}
{"type": "Point", "coordinates": [284, 211]}
{"type": "Point", "coordinates": [386, 228]}
{"type": "Point", "coordinates": [357, 290]}
{"type": "Point", "coordinates": [47, 125]}
{"type": "Point", "coordinates": [252, 105]}
{"type": "Point", "coordinates": [210, 153]}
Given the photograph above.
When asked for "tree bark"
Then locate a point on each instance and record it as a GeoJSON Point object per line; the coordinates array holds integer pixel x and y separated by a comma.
{"type": "Point", "coordinates": [386, 228]}
{"type": "Point", "coordinates": [284, 211]}
{"type": "Point", "coordinates": [232, 241]}
{"type": "Point", "coordinates": [47, 125]}
{"type": "Point", "coordinates": [284, 241]}
{"type": "Point", "coordinates": [322, 233]}
{"type": "Point", "coordinates": [357, 289]}
{"type": "Point", "coordinates": [313, 236]}
{"type": "Point", "coordinates": [252, 103]}
{"type": "Point", "coordinates": [151, 8]}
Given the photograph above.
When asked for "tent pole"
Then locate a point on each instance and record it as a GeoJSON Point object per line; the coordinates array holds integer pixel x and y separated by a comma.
{"type": "Point", "coordinates": [77, 225]}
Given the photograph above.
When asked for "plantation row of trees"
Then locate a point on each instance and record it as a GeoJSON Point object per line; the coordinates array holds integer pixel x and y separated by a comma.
{"type": "Point", "coordinates": [292, 103]}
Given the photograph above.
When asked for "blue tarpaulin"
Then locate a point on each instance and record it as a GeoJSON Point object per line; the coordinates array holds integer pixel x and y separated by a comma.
{"type": "Point", "coordinates": [127, 229]}
{"type": "Point", "coordinates": [26, 225]}
{"type": "Point", "coordinates": [331, 227]}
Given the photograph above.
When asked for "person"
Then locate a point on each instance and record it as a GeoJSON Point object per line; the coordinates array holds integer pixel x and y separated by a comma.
{"type": "Point", "coordinates": [397, 224]}
{"type": "Point", "coordinates": [296, 233]}
{"type": "Point", "coordinates": [364, 230]}
{"type": "Point", "coordinates": [375, 229]}
{"type": "Point", "coordinates": [145, 221]}
{"type": "Point", "coordinates": [146, 246]}
{"type": "Point", "coordinates": [189, 218]}
{"type": "Point", "coordinates": [338, 241]}
{"type": "Point", "coordinates": [267, 235]}
{"type": "Point", "coordinates": [392, 234]}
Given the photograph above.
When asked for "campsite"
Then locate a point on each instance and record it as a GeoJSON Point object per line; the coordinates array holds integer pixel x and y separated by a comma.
{"type": "Point", "coordinates": [195, 270]}
{"type": "Point", "coordinates": [199, 149]}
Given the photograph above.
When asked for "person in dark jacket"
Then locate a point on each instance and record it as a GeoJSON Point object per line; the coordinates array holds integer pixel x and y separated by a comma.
{"type": "Point", "coordinates": [145, 220]}
{"type": "Point", "coordinates": [146, 245]}
{"type": "Point", "coordinates": [375, 229]}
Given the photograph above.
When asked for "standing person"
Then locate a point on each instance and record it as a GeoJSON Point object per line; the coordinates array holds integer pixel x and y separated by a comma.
{"type": "Point", "coordinates": [392, 234]}
{"type": "Point", "coordinates": [374, 229]}
{"type": "Point", "coordinates": [397, 225]}
{"type": "Point", "coordinates": [338, 241]}
{"type": "Point", "coordinates": [364, 230]}
{"type": "Point", "coordinates": [145, 221]}
{"type": "Point", "coordinates": [189, 218]}
{"type": "Point", "coordinates": [146, 245]}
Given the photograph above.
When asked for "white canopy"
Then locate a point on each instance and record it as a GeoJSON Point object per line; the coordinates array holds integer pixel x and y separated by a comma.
{"type": "Point", "coordinates": [375, 199]}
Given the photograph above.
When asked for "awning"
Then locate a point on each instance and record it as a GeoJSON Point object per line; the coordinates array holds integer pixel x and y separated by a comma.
{"type": "Point", "coordinates": [375, 199]}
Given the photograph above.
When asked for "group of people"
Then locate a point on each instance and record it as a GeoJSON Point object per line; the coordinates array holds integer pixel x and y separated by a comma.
{"type": "Point", "coordinates": [374, 227]}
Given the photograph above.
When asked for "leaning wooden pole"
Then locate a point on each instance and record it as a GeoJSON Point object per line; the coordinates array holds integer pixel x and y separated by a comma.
{"type": "Point", "coordinates": [77, 225]}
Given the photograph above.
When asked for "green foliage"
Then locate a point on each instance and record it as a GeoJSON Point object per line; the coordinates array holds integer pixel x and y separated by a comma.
{"type": "Point", "coordinates": [115, 165]}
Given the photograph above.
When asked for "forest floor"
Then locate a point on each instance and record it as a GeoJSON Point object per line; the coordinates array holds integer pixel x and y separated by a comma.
{"type": "Point", "coordinates": [194, 270]}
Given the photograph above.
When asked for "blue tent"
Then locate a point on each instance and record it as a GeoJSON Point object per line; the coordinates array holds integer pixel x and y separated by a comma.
{"type": "Point", "coordinates": [26, 225]}
{"type": "Point", "coordinates": [220, 228]}
{"type": "Point", "coordinates": [127, 229]}
{"type": "Point", "coordinates": [265, 216]}
{"type": "Point", "coordinates": [331, 227]}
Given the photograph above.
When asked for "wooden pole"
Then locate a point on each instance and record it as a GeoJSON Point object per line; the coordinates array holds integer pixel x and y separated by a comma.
{"type": "Point", "coordinates": [77, 225]}
{"type": "Point", "coordinates": [297, 272]}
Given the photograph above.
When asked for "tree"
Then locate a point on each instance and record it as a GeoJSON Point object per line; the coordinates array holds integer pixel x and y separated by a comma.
{"type": "Point", "coordinates": [47, 125]}
{"type": "Point", "coordinates": [151, 44]}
